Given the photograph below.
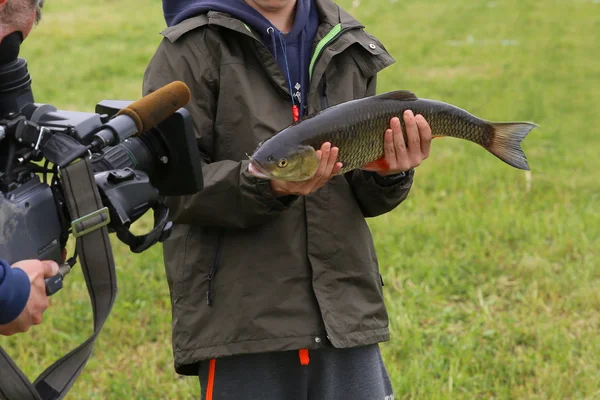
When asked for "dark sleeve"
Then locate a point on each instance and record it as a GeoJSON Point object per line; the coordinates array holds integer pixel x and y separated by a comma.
{"type": "Point", "coordinates": [14, 292]}
{"type": "Point", "coordinates": [377, 195]}
{"type": "Point", "coordinates": [231, 197]}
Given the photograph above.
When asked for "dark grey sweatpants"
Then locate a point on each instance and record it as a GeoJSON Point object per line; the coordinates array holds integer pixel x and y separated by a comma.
{"type": "Point", "coordinates": [332, 374]}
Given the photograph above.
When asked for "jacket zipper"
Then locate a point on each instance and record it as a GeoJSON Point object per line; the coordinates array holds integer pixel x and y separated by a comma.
{"type": "Point", "coordinates": [333, 35]}
{"type": "Point", "coordinates": [213, 270]}
{"type": "Point", "coordinates": [328, 39]}
{"type": "Point", "coordinates": [253, 37]}
{"type": "Point", "coordinates": [262, 64]}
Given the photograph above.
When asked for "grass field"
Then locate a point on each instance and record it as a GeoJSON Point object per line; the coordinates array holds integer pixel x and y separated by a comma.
{"type": "Point", "coordinates": [492, 278]}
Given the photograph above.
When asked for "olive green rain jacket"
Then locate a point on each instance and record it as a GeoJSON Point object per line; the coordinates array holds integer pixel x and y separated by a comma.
{"type": "Point", "coordinates": [249, 272]}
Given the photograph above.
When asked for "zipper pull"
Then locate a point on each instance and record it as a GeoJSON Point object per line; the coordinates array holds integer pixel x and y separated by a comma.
{"type": "Point", "coordinates": [295, 112]}
{"type": "Point", "coordinates": [209, 297]}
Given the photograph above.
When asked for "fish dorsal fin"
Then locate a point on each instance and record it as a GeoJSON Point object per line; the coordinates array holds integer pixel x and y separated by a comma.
{"type": "Point", "coordinates": [404, 95]}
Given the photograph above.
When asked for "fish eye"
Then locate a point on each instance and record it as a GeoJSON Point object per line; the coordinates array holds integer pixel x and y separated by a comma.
{"type": "Point", "coordinates": [283, 163]}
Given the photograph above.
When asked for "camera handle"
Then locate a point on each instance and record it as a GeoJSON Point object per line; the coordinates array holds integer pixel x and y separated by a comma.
{"type": "Point", "coordinates": [160, 232]}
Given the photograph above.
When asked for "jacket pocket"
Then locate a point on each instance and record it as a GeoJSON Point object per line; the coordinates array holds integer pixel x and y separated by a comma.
{"type": "Point", "coordinates": [189, 256]}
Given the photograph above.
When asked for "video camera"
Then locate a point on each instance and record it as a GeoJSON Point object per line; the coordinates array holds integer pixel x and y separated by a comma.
{"type": "Point", "coordinates": [107, 169]}
{"type": "Point", "coordinates": [140, 151]}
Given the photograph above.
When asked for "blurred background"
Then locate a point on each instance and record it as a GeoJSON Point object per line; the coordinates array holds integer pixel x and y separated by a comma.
{"type": "Point", "coordinates": [492, 275]}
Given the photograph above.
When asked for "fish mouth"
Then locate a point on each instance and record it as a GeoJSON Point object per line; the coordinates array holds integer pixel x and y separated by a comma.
{"type": "Point", "coordinates": [257, 170]}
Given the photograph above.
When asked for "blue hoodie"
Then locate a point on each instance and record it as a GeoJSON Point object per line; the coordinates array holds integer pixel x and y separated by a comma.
{"type": "Point", "coordinates": [292, 51]}
{"type": "Point", "coordinates": [14, 292]}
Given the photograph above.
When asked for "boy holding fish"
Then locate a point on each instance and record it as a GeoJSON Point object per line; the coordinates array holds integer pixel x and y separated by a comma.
{"type": "Point", "coordinates": [275, 287]}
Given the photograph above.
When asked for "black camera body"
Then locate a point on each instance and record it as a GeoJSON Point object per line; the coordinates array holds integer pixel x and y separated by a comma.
{"type": "Point", "coordinates": [133, 170]}
{"type": "Point", "coordinates": [30, 226]}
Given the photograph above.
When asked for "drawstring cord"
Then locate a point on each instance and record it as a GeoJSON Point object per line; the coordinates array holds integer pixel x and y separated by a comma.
{"type": "Point", "coordinates": [287, 67]}
{"type": "Point", "coordinates": [295, 109]}
{"type": "Point", "coordinates": [302, 67]}
{"type": "Point", "coordinates": [270, 32]}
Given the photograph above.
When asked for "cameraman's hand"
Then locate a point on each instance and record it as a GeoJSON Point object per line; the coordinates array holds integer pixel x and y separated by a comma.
{"type": "Point", "coordinates": [38, 301]}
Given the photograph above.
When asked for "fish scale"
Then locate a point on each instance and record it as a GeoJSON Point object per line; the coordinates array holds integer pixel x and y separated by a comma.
{"type": "Point", "coordinates": [358, 128]}
{"type": "Point", "coordinates": [361, 140]}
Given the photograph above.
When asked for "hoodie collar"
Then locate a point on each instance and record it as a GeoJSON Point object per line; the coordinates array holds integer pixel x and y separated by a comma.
{"type": "Point", "coordinates": [329, 13]}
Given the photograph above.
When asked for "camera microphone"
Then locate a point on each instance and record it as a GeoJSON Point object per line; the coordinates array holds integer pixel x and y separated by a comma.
{"type": "Point", "coordinates": [143, 114]}
{"type": "Point", "coordinates": [152, 109]}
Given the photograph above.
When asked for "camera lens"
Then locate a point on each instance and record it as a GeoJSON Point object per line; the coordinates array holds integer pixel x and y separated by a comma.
{"type": "Point", "coordinates": [132, 153]}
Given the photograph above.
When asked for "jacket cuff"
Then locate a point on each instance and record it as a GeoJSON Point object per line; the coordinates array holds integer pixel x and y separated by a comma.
{"type": "Point", "coordinates": [14, 293]}
{"type": "Point", "coordinates": [399, 179]}
{"type": "Point", "coordinates": [263, 189]}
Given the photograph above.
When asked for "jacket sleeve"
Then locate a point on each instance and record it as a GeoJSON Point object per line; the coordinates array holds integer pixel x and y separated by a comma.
{"type": "Point", "coordinates": [14, 292]}
{"type": "Point", "coordinates": [231, 197]}
{"type": "Point", "coordinates": [375, 195]}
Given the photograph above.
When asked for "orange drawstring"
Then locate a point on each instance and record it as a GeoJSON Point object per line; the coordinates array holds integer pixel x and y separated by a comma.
{"type": "Point", "coordinates": [211, 380]}
{"type": "Point", "coordinates": [304, 359]}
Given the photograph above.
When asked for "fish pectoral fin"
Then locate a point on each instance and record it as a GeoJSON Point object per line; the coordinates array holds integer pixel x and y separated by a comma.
{"type": "Point", "coordinates": [404, 95]}
{"type": "Point", "coordinates": [378, 165]}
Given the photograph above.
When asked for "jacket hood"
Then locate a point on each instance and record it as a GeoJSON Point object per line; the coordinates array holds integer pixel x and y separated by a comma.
{"type": "Point", "coordinates": [176, 11]}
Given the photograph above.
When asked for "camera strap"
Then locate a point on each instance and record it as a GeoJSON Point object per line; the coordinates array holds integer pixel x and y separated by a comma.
{"type": "Point", "coordinates": [98, 268]}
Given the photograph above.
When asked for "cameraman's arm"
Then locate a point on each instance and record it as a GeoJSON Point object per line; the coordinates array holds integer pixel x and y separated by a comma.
{"type": "Point", "coordinates": [23, 297]}
{"type": "Point", "coordinates": [231, 197]}
{"type": "Point", "coordinates": [14, 292]}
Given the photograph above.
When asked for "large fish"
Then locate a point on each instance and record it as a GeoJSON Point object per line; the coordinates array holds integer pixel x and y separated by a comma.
{"type": "Point", "coordinates": [357, 128]}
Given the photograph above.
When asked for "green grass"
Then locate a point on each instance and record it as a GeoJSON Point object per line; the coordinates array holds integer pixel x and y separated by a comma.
{"type": "Point", "coordinates": [492, 281]}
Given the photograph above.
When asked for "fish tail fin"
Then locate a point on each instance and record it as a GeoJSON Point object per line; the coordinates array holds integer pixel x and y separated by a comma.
{"type": "Point", "coordinates": [506, 142]}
